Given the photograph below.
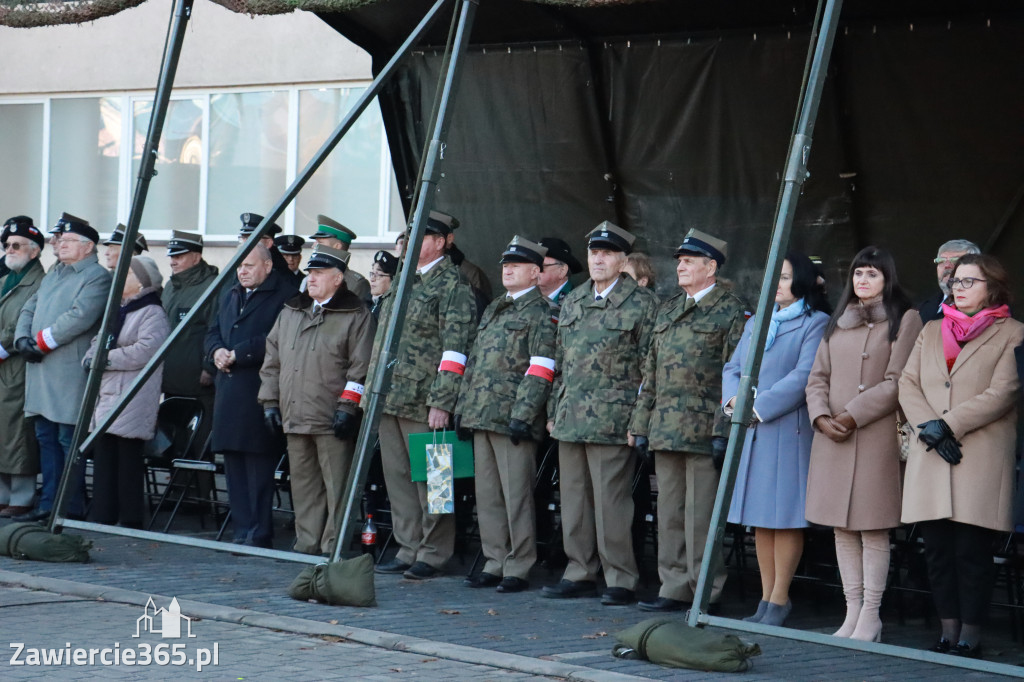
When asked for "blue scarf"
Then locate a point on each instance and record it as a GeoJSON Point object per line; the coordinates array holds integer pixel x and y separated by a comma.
{"type": "Point", "coordinates": [780, 315]}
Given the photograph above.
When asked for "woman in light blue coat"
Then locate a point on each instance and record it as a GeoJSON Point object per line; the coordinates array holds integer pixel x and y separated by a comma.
{"type": "Point", "coordinates": [771, 482]}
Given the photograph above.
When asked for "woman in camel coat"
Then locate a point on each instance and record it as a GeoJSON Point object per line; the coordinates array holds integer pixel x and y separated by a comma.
{"type": "Point", "coordinates": [959, 389]}
{"type": "Point", "coordinates": [853, 480]}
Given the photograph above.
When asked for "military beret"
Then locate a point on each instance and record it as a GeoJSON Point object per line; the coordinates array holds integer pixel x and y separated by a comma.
{"type": "Point", "coordinates": [328, 257]}
{"type": "Point", "coordinates": [521, 250]}
{"type": "Point", "coordinates": [560, 251]}
{"type": "Point", "coordinates": [21, 226]}
{"type": "Point", "coordinates": [290, 244]}
{"type": "Point", "coordinates": [608, 235]}
{"type": "Point", "coordinates": [703, 244]}
{"type": "Point", "coordinates": [441, 223]}
{"type": "Point", "coordinates": [327, 228]}
{"type": "Point", "coordinates": [184, 242]}
{"type": "Point", "coordinates": [117, 237]}
{"type": "Point", "coordinates": [386, 261]}
{"type": "Point", "coordinates": [69, 223]}
{"type": "Point", "coordinates": [250, 221]}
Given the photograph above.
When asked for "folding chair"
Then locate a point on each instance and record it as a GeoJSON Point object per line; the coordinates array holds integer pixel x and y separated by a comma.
{"type": "Point", "coordinates": [177, 423]}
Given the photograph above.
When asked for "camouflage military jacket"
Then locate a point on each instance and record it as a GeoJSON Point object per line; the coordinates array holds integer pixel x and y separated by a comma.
{"type": "Point", "coordinates": [511, 368]}
{"type": "Point", "coordinates": [679, 408]}
{"type": "Point", "coordinates": [440, 322]}
{"type": "Point", "coordinates": [599, 358]}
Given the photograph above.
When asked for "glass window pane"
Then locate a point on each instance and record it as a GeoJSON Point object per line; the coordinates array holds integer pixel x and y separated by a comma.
{"type": "Point", "coordinates": [85, 146]}
{"type": "Point", "coordinates": [21, 139]}
{"type": "Point", "coordinates": [248, 148]}
{"type": "Point", "coordinates": [347, 186]}
{"type": "Point", "coordinates": [173, 198]}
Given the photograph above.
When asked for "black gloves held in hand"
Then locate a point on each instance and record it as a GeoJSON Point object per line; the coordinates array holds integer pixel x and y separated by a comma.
{"type": "Point", "coordinates": [460, 432]}
{"type": "Point", "coordinates": [718, 448]}
{"type": "Point", "coordinates": [949, 450]}
{"type": "Point", "coordinates": [642, 449]}
{"type": "Point", "coordinates": [272, 419]}
{"type": "Point", "coordinates": [345, 425]}
{"type": "Point", "coordinates": [937, 435]}
{"type": "Point", "coordinates": [28, 349]}
{"type": "Point", "coordinates": [518, 431]}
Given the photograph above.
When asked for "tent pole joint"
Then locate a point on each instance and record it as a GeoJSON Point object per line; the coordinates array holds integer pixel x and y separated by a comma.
{"type": "Point", "coordinates": [796, 164]}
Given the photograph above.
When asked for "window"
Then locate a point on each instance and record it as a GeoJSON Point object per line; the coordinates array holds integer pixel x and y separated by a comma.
{"type": "Point", "coordinates": [21, 173]}
{"type": "Point", "coordinates": [85, 149]}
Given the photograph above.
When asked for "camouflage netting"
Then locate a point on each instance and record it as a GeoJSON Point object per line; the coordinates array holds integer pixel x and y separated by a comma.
{"type": "Point", "coordinates": [27, 14]}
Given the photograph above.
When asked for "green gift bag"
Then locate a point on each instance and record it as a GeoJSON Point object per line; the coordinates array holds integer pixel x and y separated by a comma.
{"type": "Point", "coordinates": [462, 453]}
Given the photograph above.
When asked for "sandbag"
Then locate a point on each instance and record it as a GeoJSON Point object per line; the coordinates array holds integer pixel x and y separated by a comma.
{"type": "Point", "coordinates": [675, 644]}
{"type": "Point", "coordinates": [31, 541]}
{"type": "Point", "coordinates": [339, 583]}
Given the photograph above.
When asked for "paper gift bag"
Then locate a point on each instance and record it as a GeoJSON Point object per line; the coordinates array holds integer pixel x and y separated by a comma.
{"type": "Point", "coordinates": [462, 453]}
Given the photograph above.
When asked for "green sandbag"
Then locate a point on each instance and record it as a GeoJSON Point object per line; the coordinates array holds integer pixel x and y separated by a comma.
{"type": "Point", "coordinates": [302, 587]}
{"type": "Point", "coordinates": [675, 644]}
{"type": "Point", "coordinates": [31, 541]}
{"type": "Point", "coordinates": [346, 583]}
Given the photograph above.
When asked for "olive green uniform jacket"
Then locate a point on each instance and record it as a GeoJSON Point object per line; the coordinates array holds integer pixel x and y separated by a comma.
{"type": "Point", "coordinates": [18, 454]}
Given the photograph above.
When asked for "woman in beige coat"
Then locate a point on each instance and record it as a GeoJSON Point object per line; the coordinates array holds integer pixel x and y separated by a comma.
{"type": "Point", "coordinates": [960, 387]}
{"type": "Point", "coordinates": [853, 480]}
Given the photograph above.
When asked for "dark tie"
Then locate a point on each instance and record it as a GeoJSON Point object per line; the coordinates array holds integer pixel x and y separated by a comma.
{"type": "Point", "coordinates": [598, 297]}
{"type": "Point", "coordinates": [690, 302]}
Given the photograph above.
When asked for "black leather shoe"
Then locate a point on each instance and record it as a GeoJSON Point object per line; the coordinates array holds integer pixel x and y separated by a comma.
{"type": "Point", "coordinates": [34, 515]}
{"type": "Point", "coordinates": [570, 589]}
{"type": "Point", "coordinates": [663, 605]}
{"type": "Point", "coordinates": [618, 596]}
{"type": "Point", "coordinates": [942, 646]}
{"type": "Point", "coordinates": [966, 650]}
{"type": "Point", "coordinates": [421, 571]}
{"type": "Point", "coordinates": [482, 580]}
{"type": "Point", "coordinates": [509, 585]}
{"type": "Point", "coordinates": [393, 566]}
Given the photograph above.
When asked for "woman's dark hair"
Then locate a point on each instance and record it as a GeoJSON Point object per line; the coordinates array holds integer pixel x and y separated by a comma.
{"type": "Point", "coordinates": [805, 283]}
{"type": "Point", "coordinates": [894, 299]}
{"type": "Point", "coordinates": [995, 276]}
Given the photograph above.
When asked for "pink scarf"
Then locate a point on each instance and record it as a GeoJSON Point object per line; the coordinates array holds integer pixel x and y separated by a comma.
{"type": "Point", "coordinates": [958, 328]}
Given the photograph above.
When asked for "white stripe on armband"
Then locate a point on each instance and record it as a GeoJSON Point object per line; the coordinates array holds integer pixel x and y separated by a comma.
{"type": "Point", "coordinates": [452, 361]}
{"type": "Point", "coordinates": [45, 340]}
{"type": "Point", "coordinates": [3, 353]}
{"type": "Point", "coordinates": [353, 392]}
{"type": "Point", "coordinates": [541, 367]}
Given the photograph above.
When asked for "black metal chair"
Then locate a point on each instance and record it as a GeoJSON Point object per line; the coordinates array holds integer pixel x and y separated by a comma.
{"type": "Point", "coordinates": [177, 423]}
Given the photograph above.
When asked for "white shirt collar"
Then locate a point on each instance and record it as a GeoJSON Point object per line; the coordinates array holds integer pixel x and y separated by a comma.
{"type": "Point", "coordinates": [554, 294]}
{"type": "Point", "coordinates": [520, 293]}
{"type": "Point", "coordinates": [426, 268]}
{"type": "Point", "coordinates": [702, 293]}
{"type": "Point", "coordinates": [604, 294]}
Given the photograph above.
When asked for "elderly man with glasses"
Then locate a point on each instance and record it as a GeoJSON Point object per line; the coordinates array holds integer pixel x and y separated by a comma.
{"type": "Point", "coordinates": [945, 263]}
{"type": "Point", "coordinates": [53, 334]}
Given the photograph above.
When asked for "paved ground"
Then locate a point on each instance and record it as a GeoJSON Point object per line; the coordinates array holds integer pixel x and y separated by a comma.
{"type": "Point", "coordinates": [439, 619]}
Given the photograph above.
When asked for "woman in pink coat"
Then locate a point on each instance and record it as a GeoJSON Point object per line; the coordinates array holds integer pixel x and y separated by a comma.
{"type": "Point", "coordinates": [959, 388]}
{"type": "Point", "coordinates": [853, 480]}
{"type": "Point", "coordinates": [118, 466]}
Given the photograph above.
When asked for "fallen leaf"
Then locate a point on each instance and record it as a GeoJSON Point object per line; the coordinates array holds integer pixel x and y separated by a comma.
{"type": "Point", "coordinates": [531, 637]}
{"type": "Point", "coordinates": [449, 612]}
{"type": "Point", "coordinates": [396, 670]}
{"type": "Point", "coordinates": [428, 660]}
{"type": "Point", "coordinates": [331, 638]}
{"type": "Point", "coordinates": [333, 622]}
{"type": "Point", "coordinates": [492, 612]}
{"type": "Point", "coordinates": [596, 635]}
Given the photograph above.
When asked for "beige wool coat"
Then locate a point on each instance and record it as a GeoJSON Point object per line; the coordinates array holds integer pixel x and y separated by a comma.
{"type": "Point", "coordinates": [976, 399]}
{"type": "Point", "coordinates": [856, 484]}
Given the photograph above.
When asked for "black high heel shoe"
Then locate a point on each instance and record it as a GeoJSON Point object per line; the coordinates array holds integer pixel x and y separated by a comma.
{"type": "Point", "coordinates": [943, 646]}
{"type": "Point", "coordinates": [966, 650]}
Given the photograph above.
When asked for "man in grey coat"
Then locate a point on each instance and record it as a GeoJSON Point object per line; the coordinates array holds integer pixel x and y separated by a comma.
{"type": "Point", "coordinates": [53, 335]}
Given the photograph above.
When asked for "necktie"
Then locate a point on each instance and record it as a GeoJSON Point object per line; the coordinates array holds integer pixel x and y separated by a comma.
{"type": "Point", "coordinates": [598, 297]}
{"type": "Point", "coordinates": [690, 302]}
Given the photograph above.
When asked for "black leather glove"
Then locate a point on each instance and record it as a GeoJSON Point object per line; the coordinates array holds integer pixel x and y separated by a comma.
{"type": "Point", "coordinates": [931, 432]}
{"type": "Point", "coordinates": [87, 363]}
{"type": "Point", "coordinates": [461, 433]}
{"type": "Point", "coordinates": [642, 449]}
{"type": "Point", "coordinates": [518, 431]}
{"type": "Point", "coordinates": [949, 450]}
{"type": "Point", "coordinates": [272, 418]}
{"type": "Point", "coordinates": [718, 448]}
{"type": "Point", "coordinates": [28, 349]}
{"type": "Point", "coordinates": [345, 425]}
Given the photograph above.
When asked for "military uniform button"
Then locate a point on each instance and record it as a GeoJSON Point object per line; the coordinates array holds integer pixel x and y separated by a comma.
{"type": "Point", "coordinates": [861, 387]}
{"type": "Point", "coordinates": [871, 325]}
{"type": "Point", "coordinates": [945, 411]}
{"type": "Point", "coordinates": [947, 384]}
{"type": "Point", "coordinates": [864, 355]}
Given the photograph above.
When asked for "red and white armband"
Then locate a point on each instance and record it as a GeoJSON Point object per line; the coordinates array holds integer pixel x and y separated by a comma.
{"type": "Point", "coordinates": [541, 367]}
{"type": "Point", "coordinates": [45, 340]}
{"type": "Point", "coordinates": [3, 353]}
{"type": "Point", "coordinates": [452, 361]}
{"type": "Point", "coordinates": [353, 392]}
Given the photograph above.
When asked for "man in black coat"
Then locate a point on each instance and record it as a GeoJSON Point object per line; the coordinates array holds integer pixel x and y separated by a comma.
{"type": "Point", "coordinates": [236, 343]}
{"type": "Point", "coordinates": [945, 263]}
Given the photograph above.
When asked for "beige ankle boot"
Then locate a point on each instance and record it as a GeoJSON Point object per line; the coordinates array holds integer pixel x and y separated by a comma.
{"type": "Point", "coordinates": [851, 571]}
{"type": "Point", "coordinates": [876, 572]}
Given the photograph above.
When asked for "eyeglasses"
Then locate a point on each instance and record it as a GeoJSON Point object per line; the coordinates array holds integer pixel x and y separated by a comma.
{"type": "Point", "coordinates": [554, 263]}
{"type": "Point", "coordinates": [378, 275]}
{"type": "Point", "coordinates": [966, 282]}
{"type": "Point", "coordinates": [949, 260]}
{"type": "Point", "coordinates": [14, 246]}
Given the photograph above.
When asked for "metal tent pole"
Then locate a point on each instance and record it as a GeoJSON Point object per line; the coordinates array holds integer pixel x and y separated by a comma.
{"type": "Point", "coordinates": [172, 51]}
{"type": "Point", "coordinates": [795, 174]}
{"type": "Point", "coordinates": [430, 177]}
{"type": "Point", "coordinates": [228, 270]}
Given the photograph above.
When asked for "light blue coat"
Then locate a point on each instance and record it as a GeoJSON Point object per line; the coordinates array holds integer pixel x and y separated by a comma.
{"type": "Point", "coordinates": [771, 484]}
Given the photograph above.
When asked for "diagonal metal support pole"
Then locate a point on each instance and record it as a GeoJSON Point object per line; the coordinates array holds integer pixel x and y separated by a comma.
{"type": "Point", "coordinates": [820, 47]}
{"type": "Point", "coordinates": [147, 169]}
{"type": "Point", "coordinates": [229, 269]}
{"type": "Point", "coordinates": [427, 186]}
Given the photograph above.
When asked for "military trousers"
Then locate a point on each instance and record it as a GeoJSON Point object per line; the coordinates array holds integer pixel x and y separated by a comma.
{"type": "Point", "coordinates": [687, 485]}
{"type": "Point", "coordinates": [596, 484]}
{"type": "Point", "coordinates": [504, 503]}
{"type": "Point", "coordinates": [319, 466]}
{"type": "Point", "coordinates": [429, 538]}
